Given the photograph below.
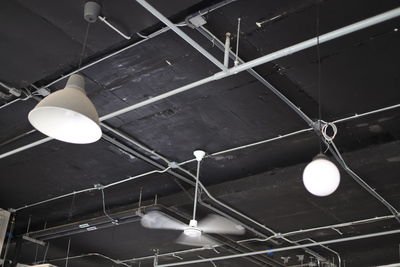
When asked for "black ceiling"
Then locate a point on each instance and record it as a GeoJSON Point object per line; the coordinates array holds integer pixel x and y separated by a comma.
{"type": "Point", "coordinates": [41, 41]}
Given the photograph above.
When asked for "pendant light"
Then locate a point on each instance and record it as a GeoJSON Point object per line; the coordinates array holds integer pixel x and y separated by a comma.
{"type": "Point", "coordinates": [321, 177]}
{"type": "Point", "coordinates": [68, 115]}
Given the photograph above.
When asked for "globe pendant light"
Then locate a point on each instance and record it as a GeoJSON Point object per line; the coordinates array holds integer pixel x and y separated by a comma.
{"type": "Point", "coordinates": [68, 115]}
{"type": "Point", "coordinates": [321, 177]}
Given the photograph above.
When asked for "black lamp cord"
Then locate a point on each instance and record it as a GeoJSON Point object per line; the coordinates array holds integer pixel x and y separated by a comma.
{"type": "Point", "coordinates": [319, 77]}
{"type": "Point", "coordinates": [84, 45]}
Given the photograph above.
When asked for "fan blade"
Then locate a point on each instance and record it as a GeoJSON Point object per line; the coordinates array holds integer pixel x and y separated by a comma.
{"type": "Point", "coordinates": [198, 241]}
{"type": "Point", "coordinates": [215, 224]}
{"type": "Point", "coordinates": [159, 220]}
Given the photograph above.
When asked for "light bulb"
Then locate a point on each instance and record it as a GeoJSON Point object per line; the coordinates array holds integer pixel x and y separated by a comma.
{"type": "Point", "coordinates": [321, 177]}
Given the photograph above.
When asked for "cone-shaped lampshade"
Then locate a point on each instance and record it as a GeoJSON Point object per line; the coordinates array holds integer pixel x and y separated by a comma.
{"type": "Point", "coordinates": [68, 115]}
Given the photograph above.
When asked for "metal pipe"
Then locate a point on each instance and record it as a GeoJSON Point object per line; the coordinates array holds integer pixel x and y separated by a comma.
{"type": "Point", "coordinates": [337, 155]}
{"type": "Point", "coordinates": [325, 38]}
{"type": "Point", "coordinates": [264, 59]}
{"type": "Point", "coordinates": [22, 148]}
{"type": "Point", "coordinates": [148, 37]}
{"type": "Point", "coordinates": [367, 113]}
{"type": "Point", "coordinates": [204, 189]}
{"type": "Point", "coordinates": [65, 76]}
{"type": "Point", "coordinates": [322, 39]}
{"type": "Point", "coordinates": [212, 38]}
{"type": "Point", "coordinates": [346, 224]}
{"type": "Point", "coordinates": [103, 19]}
{"type": "Point", "coordinates": [89, 255]}
{"type": "Point", "coordinates": [227, 48]}
{"type": "Point", "coordinates": [168, 254]}
{"type": "Point", "coordinates": [325, 247]}
{"type": "Point", "coordinates": [179, 90]}
{"type": "Point", "coordinates": [89, 189]}
{"type": "Point", "coordinates": [326, 242]}
{"type": "Point", "coordinates": [250, 145]}
{"type": "Point", "coordinates": [339, 225]}
{"type": "Point", "coordinates": [369, 220]}
{"type": "Point", "coordinates": [248, 65]}
{"type": "Point", "coordinates": [190, 160]}
{"type": "Point", "coordinates": [14, 101]}
{"type": "Point", "coordinates": [178, 31]}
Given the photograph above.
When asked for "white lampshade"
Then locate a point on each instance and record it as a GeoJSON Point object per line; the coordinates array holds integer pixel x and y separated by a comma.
{"type": "Point", "coordinates": [68, 115]}
{"type": "Point", "coordinates": [321, 177]}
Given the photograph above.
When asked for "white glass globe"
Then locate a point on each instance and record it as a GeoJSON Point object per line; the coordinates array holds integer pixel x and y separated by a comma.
{"type": "Point", "coordinates": [321, 177]}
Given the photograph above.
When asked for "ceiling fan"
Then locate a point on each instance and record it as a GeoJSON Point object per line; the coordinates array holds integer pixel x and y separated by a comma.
{"type": "Point", "coordinates": [193, 233]}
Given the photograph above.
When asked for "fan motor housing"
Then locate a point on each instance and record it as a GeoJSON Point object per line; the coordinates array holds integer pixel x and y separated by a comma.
{"type": "Point", "coordinates": [192, 232]}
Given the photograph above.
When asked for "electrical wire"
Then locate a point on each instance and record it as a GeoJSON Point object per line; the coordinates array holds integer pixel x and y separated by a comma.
{"type": "Point", "coordinates": [69, 246]}
{"type": "Point", "coordinates": [324, 131]}
{"type": "Point", "coordinates": [319, 74]}
{"type": "Point", "coordinates": [104, 208]}
{"type": "Point", "coordinates": [84, 45]}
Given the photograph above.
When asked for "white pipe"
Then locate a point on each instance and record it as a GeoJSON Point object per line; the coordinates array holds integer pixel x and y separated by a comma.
{"type": "Point", "coordinates": [65, 76]}
{"type": "Point", "coordinates": [227, 49]}
{"type": "Point", "coordinates": [248, 65]}
{"type": "Point", "coordinates": [267, 58]}
{"type": "Point", "coordinates": [192, 160]}
{"type": "Point", "coordinates": [88, 255]}
{"type": "Point", "coordinates": [322, 39]}
{"type": "Point", "coordinates": [326, 242]}
{"type": "Point", "coordinates": [22, 148]}
{"type": "Point", "coordinates": [103, 19]}
{"type": "Point", "coordinates": [178, 31]}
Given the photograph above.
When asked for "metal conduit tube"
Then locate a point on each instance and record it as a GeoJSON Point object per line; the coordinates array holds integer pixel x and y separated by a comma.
{"type": "Point", "coordinates": [88, 190]}
{"type": "Point", "coordinates": [103, 19]}
{"type": "Point", "coordinates": [326, 242]}
{"type": "Point", "coordinates": [337, 155]}
{"type": "Point", "coordinates": [89, 255]}
{"type": "Point", "coordinates": [145, 158]}
{"type": "Point", "coordinates": [178, 31]}
{"type": "Point", "coordinates": [323, 38]}
{"type": "Point", "coordinates": [369, 220]}
{"type": "Point", "coordinates": [65, 76]}
{"type": "Point", "coordinates": [274, 234]}
{"type": "Point", "coordinates": [212, 38]}
{"type": "Point", "coordinates": [215, 153]}
{"type": "Point", "coordinates": [264, 59]}
{"type": "Point", "coordinates": [325, 247]}
{"type": "Point", "coordinates": [251, 64]}
{"type": "Point", "coordinates": [170, 163]}
{"type": "Point", "coordinates": [346, 224]}
{"type": "Point", "coordinates": [152, 35]}
{"type": "Point", "coordinates": [332, 226]}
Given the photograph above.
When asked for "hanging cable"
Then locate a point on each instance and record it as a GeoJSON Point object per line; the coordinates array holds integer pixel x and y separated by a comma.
{"type": "Point", "coordinates": [319, 75]}
{"type": "Point", "coordinates": [69, 246]}
{"type": "Point", "coordinates": [324, 131]}
{"type": "Point", "coordinates": [84, 45]}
